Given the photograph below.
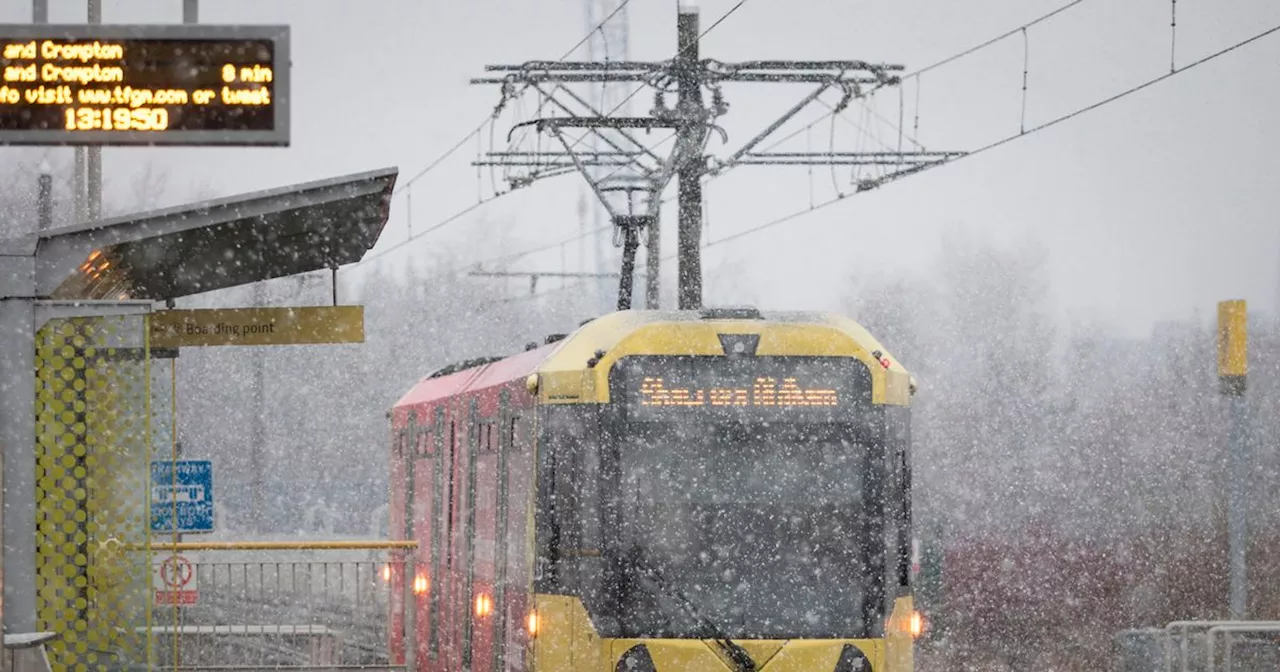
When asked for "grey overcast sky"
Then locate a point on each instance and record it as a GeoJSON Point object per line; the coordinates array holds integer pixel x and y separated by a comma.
{"type": "Point", "coordinates": [1151, 207]}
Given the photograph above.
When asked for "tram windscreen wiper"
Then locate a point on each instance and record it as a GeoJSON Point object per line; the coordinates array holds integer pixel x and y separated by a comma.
{"type": "Point", "coordinates": [742, 661]}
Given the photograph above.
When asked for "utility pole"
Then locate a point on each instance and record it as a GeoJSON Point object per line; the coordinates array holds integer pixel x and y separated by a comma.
{"type": "Point", "coordinates": [689, 136]}
{"type": "Point", "coordinates": [693, 123]}
{"type": "Point", "coordinates": [1232, 372]}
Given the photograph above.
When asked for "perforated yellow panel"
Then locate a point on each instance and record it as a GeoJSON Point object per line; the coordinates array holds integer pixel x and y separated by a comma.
{"type": "Point", "coordinates": [92, 470]}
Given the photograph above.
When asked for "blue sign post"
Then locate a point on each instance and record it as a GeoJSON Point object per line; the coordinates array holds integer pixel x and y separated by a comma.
{"type": "Point", "coordinates": [189, 496]}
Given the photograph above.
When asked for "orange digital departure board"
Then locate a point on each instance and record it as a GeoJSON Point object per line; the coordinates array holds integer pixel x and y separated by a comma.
{"type": "Point", "coordinates": [144, 85]}
{"type": "Point", "coordinates": [763, 391]}
{"type": "Point", "coordinates": [803, 389]}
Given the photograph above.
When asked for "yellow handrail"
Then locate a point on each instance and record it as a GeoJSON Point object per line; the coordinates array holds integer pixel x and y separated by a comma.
{"type": "Point", "coordinates": [276, 546]}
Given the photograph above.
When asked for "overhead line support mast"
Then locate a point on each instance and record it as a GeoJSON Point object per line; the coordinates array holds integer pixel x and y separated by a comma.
{"type": "Point", "coordinates": [690, 142]}
{"type": "Point", "coordinates": [634, 169]}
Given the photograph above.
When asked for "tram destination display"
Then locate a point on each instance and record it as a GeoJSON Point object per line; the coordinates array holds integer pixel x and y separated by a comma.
{"type": "Point", "coordinates": [144, 85]}
{"type": "Point", "coordinates": [782, 389]}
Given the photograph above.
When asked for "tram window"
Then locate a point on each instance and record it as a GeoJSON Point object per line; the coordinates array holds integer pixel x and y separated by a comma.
{"type": "Point", "coordinates": [762, 527]}
{"type": "Point", "coordinates": [566, 485]}
{"type": "Point", "coordinates": [547, 530]}
{"type": "Point", "coordinates": [900, 433]}
{"type": "Point", "coordinates": [588, 495]}
{"type": "Point", "coordinates": [470, 456]}
{"type": "Point", "coordinates": [437, 500]}
{"type": "Point", "coordinates": [448, 466]}
{"type": "Point", "coordinates": [501, 539]}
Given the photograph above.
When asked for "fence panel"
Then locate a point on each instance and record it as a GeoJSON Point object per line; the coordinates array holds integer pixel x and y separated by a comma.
{"type": "Point", "coordinates": [296, 608]}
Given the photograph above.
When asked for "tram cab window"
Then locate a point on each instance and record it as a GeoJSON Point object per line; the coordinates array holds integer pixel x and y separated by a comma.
{"type": "Point", "coordinates": [567, 517]}
{"type": "Point", "coordinates": [759, 526]}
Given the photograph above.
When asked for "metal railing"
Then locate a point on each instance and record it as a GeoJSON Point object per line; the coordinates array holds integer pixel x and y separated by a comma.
{"type": "Point", "coordinates": [1226, 631]}
{"type": "Point", "coordinates": [281, 606]}
{"type": "Point", "coordinates": [1188, 645]}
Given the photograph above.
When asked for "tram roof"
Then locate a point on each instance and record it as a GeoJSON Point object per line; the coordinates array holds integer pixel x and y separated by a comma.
{"type": "Point", "coordinates": [567, 358]}
{"type": "Point", "coordinates": [476, 378]}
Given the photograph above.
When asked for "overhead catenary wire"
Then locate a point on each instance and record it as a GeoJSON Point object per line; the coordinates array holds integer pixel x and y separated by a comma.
{"type": "Point", "coordinates": [480, 128]}
{"type": "Point", "coordinates": [598, 27]}
{"type": "Point", "coordinates": [824, 117]}
{"type": "Point", "coordinates": [458, 215]}
{"type": "Point", "coordinates": [530, 297]}
{"type": "Point", "coordinates": [833, 112]}
{"type": "Point", "coordinates": [438, 225]}
{"type": "Point", "coordinates": [508, 258]}
{"type": "Point", "coordinates": [912, 137]}
{"type": "Point", "coordinates": [513, 256]}
{"type": "Point", "coordinates": [1012, 137]}
{"type": "Point", "coordinates": [440, 159]}
{"type": "Point", "coordinates": [1003, 36]}
{"type": "Point", "coordinates": [915, 134]}
{"type": "Point", "coordinates": [680, 53]}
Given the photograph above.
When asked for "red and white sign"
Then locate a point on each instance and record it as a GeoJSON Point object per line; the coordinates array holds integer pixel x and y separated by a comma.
{"type": "Point", "coordinates": [175, 582]}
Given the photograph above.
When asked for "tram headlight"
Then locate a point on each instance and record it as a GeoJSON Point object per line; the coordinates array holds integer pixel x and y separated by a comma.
{"type": "Point", "coordinates": [915, 624]}
{"type": "Point", "coordinates": [532, 623]}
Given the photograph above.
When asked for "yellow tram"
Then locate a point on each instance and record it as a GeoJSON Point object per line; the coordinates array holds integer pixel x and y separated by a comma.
{"type": "Point", "coordinates": [721, 489]}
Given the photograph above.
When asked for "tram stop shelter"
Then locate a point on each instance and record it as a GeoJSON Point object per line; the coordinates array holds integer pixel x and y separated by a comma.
{"type": "Point", "coordinates": [57, 400]}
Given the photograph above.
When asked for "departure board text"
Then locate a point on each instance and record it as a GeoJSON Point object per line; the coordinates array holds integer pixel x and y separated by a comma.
{"type": "Point", "coordinates": [764, 391]}
{"type": "Point", "coordinates": [752, 389]}
{"type": "Point", "coordinates": [191, 85]}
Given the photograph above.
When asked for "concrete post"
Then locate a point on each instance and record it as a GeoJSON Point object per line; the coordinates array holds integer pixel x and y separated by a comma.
{"type": "Point", "coordinates": [17, 436]}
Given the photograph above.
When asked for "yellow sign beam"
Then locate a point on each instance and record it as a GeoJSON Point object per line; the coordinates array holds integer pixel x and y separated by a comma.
{"type": "Point", "coordinates": [1232, 346]}
{"type": "Point", "coordinates": [306, 325]}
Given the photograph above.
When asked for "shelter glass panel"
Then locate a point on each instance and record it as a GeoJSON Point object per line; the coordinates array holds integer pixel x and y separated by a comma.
{"type": "Point", "coordinates": [93, 453]}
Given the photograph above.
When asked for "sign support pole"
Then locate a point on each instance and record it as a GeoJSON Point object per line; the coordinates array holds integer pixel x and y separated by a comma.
{"type": "Point", "coordinates": [94, 157]}
{"type": "Point", "coordinates": [1232, 371]}
{"type": "Point", "coordinates": [1237, 520]}
{"type": "Point", "coordinates": [190, 15]}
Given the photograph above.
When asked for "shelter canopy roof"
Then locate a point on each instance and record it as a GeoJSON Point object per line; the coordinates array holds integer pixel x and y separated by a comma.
{"type": "Point", "coordinates": [227, 242]}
